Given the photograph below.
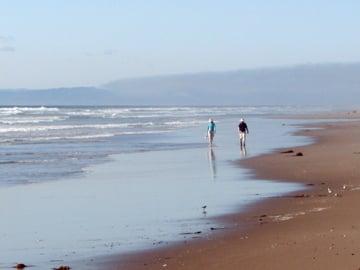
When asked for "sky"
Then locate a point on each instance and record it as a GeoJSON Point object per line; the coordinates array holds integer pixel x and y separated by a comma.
{"type": "Point", "coordinates": [64, 43]}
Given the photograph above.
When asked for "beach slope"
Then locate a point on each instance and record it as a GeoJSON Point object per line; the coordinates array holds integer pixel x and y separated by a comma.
{"type": "Point", "coordinates": [316, 228]}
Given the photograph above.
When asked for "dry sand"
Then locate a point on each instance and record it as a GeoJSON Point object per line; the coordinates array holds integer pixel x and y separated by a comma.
{"type": "Point", "coordinates": [311, 229]}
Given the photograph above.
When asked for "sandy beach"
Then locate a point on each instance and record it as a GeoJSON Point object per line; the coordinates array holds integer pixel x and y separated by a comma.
{"type": "Point", "coordinates": [317, 228]}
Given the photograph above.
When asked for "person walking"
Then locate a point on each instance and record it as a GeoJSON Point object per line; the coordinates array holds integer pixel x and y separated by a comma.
{"type": "Point", "coordinates": [243, 130]}
{"type": "Point", "coordinates": [211, 131]}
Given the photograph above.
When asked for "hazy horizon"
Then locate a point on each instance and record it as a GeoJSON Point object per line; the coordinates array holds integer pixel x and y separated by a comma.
{"type": "Point", "coordinates": [316, 84]}
{"type": "Point", "coordinates": [209, 72]}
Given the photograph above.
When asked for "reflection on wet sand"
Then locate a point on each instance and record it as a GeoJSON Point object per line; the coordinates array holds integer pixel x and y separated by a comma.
{"type": "Point", "coordinates": [212, 162]}
{"type": "Point", "coordinates": [243, 151]}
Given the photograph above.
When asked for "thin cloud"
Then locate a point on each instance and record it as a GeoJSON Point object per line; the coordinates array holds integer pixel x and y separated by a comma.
{"type": "Point", "coordinates": [6, 39]}
{"type": "Point", "coordinates": [6, 44]}
{"type": "Point", "coordinates": [7, 49]}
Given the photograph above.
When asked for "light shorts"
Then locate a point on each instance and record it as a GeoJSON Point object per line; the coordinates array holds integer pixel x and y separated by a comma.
{"type": "Point", "coordinates": [242, 136]}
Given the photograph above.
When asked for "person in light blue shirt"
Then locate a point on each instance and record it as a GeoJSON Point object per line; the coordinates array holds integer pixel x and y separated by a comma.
{"type": "Point", "coordinates": [211, 131]}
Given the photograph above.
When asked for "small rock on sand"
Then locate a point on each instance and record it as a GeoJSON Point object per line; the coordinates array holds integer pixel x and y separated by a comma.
{"type": "Point", "coordinates": [185, 233]}
{"type": "Point", "coordinates": [20, 266]}
{"type": "Point", "coordinates": [299, 154]}
{"type": "Point", "coordinates": [63, 267]}
{"type": "Point", "coordinates": [301, 196]}
{"type": "Point", "coordinates": [217, 228]}
{"type": "Point", "coordinates": [287, 152]}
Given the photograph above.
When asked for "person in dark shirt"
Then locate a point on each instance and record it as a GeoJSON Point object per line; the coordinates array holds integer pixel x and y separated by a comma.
{"type": "Point", "coordinates": [243, 130]}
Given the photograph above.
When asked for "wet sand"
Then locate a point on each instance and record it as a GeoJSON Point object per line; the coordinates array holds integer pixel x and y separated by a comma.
{"type": "Point", "coordinates": [317, 228]}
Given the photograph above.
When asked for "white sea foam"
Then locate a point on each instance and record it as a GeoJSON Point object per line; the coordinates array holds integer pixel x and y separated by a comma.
{"type": "Point", "coordinates": [179, 124]}
{"type": "Point", "coordinates": [26, 123]}
{"type": "Point", "coordinates": [19, 110]}
{"type": "Point", "coordinates": [76, 137]}
{"type": "Point", "coordinates": [154, 112]}
{"type": "Point", "coordinates": [31, 120]}
{"type": "Point", "coordinates": [63, 127]}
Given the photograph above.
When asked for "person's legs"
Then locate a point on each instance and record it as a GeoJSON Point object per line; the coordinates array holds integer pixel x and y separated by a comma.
{"type": "Point", "coordinates": [211, 137]}
{"type": "Point", "coordinates": [242, 138]}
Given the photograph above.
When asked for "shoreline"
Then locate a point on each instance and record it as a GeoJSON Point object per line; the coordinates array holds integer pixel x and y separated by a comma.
{"type": "Point", "coordinates": [274, 225]}
{"type": "Point", "coordinates": [146, 214]}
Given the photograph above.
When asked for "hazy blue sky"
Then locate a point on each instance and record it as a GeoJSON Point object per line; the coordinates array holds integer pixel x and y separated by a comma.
{"type": "Point", "coordinates": [53, 43]}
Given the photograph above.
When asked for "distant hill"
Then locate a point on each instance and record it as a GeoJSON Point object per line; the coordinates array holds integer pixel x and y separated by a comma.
{"type": "Point", "coordinates": [315, 84]}
{"type": "Point", "coordinates": [323, 84]}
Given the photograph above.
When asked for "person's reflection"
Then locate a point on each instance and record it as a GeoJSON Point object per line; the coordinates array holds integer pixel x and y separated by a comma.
{"type": "Point", "coordinates": [212, 162]}
{"type": "Point", "coordinates": [243, 152]}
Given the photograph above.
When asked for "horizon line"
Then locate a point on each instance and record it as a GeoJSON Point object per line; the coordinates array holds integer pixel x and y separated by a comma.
{"type": "Point", "coordinates": [177, 74]}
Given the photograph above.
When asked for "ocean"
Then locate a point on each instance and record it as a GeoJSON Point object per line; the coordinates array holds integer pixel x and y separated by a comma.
{"type": "Point", "coordinates": [79, 182]}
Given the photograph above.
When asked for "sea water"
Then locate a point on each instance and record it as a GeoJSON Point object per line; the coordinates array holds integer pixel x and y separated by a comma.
{"type": "Point", "coordinates": [79, 182]}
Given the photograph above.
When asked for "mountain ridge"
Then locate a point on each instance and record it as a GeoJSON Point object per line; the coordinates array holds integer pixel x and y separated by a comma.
{"type": "Point", "coordinates": [308, 84]}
